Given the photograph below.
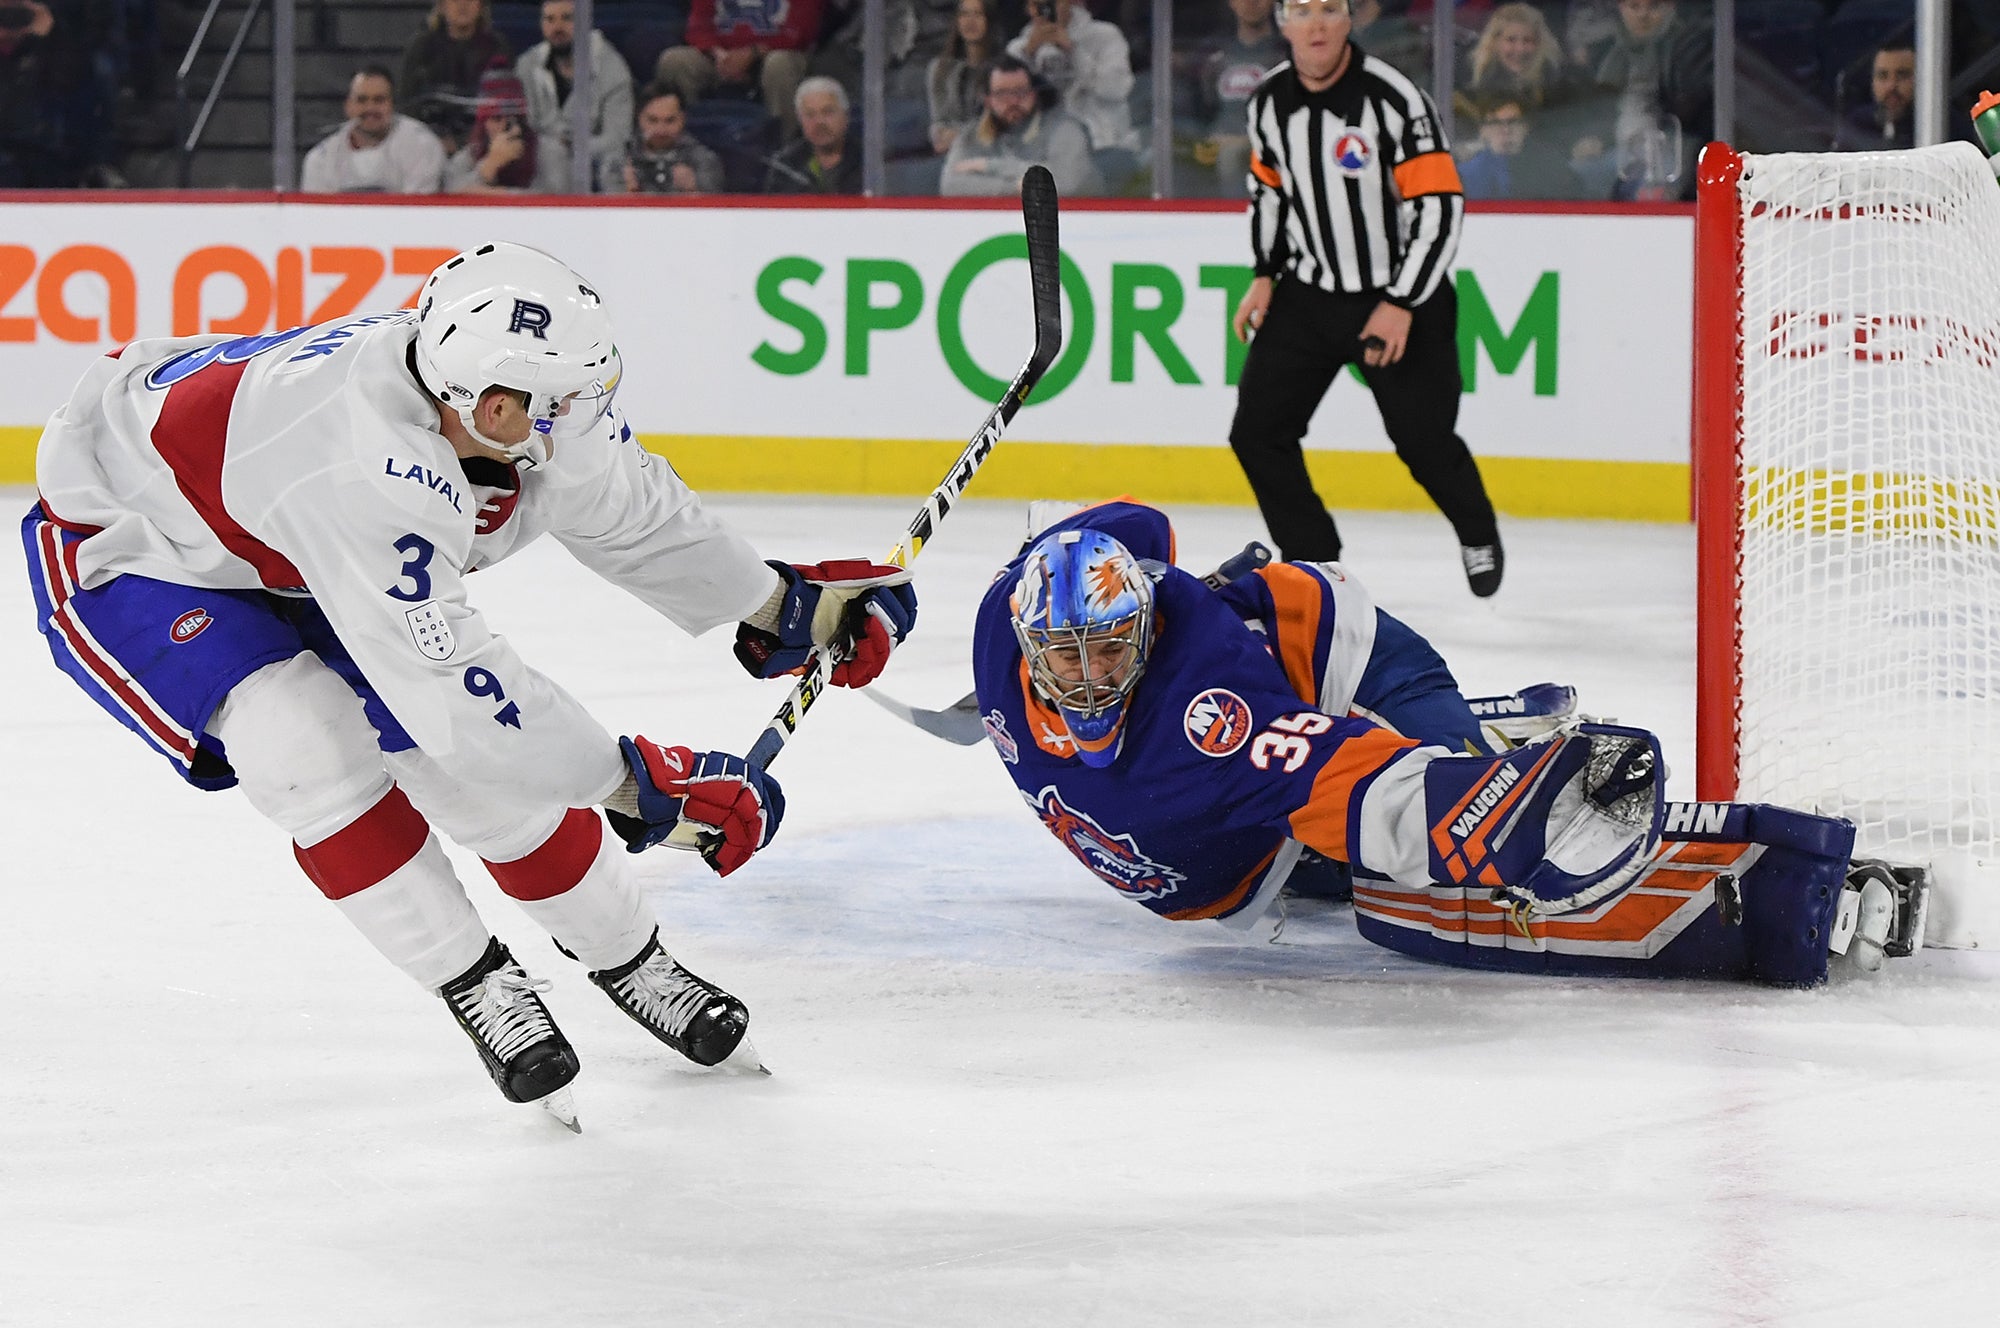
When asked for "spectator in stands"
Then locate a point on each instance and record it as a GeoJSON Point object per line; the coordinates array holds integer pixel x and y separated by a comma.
{"type": "Point", "coordinates": [913, 33]}
{"type": "Point", "coordinates": [1511, 162]}
{"type": "Point", "coordinates": [1021, 127]}
{"type": "Point", "coordinates": [1518, 56]}
{"type": "Point", "coordinates": [503, 153]}
{"type": "Point", "coordinates": [738, 45]}
{"type": "Point", "coordinates": [1234, 65]}
{"type": "Point", "coordinates": [54, 114]}
{"type": "Point", "coordinates": [826, 157]}
{"type": "Point", "coordinates": [1589, 28]}
{"type": "Point", "coordinates": [956, 97]}
{"type": "Point", "coordinates": [1660, 70]}
{"type": "Point", "coordinates": [1087, 62]}
{"type": "Point", "coordinates": [665, 158]}
{"type": "Point", "coordinates": [547, 72]}
{"type": "Point", "coordinates": [443, 62]}
{"type": "Point", "coordinates": [1389, 33]}
{"type": "Point", "coordinates": [1888, 120]}
{"type": "Point", "coordinates": [377, 150]}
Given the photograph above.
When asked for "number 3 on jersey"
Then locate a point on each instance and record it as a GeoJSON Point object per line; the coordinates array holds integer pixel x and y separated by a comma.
{"type": "Point", "coordinates": [1285, 740]}
{"type": "Point", "coordinates": [418, 553]}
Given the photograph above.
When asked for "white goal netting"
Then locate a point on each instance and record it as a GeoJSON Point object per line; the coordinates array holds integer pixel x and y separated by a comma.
{"type": "Point", "coordinates": [1869, 490]}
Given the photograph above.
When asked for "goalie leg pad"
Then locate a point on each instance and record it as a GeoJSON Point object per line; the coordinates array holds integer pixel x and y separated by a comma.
{"type": "Point", "coordinates": [1533, 712]}
{"type": "Point", "coordinates": [1734, 891]}
{"type": "Point", "coordinates": [1555, 826]}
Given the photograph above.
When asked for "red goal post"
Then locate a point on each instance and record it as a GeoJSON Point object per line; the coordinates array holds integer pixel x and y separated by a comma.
{"type": "Point", "coordinates": [1847, 503]}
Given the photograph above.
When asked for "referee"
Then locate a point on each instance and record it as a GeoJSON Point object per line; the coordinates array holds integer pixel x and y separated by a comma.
{"type": "Point", "coordinates": [1354, 218]}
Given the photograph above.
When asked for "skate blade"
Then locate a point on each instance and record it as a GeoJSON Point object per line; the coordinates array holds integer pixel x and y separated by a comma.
{"type": "Point", "coordinates": [561, 1105]}
{"type": "Point", "coordinates": [743, 1060]}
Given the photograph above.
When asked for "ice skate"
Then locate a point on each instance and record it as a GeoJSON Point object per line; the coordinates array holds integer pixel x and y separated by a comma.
{"type": "Point", "coordinates": [696, 1018]}
{"type": "Point", "coordinates": [495, 1002]}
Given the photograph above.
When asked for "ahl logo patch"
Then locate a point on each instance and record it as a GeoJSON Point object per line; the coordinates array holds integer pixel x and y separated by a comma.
{"type": "Point", "coordinates": [1217, 722]}
{"type": "Point", "coordinates": [1115, 858]}
{"type": "Point", "coordinates": [1003, 742]}
{"type": "Point", "coordinates": [430, 631]}
{"type": "Point", "coordinates": [1352, 153]}
{"type": "Point", "coordinates": [189, 625]}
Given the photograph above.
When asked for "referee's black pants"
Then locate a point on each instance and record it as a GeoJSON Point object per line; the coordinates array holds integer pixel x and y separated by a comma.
{"type": "Point", "coordinates": [1307, 337]}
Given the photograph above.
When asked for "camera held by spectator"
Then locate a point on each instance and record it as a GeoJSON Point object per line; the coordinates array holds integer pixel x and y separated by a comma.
{"type": "Point", "coordinates": [665, 158]}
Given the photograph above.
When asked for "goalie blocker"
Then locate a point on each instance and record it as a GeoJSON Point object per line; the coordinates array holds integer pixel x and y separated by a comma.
{"type": "Point", "coordinates": [1731, 890]}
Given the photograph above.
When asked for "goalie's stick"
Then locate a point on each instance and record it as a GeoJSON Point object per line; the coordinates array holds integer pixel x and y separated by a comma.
{"type": "Point", "coordinates": [1038, 217]}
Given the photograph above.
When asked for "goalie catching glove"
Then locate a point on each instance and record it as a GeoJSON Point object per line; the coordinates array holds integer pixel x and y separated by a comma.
{"type": "Point", "coordinates": [1554, 826]}
{"type": "Point", "coordinates": [860, 609]}
{"type": "Point", "coordinates": [723, 794]}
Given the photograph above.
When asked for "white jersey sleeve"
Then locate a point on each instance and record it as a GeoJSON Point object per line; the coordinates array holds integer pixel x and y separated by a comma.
{"type": "Point", "coordinates": [310, 462]}
{"type": "Point", "coordinates": [625, 514]}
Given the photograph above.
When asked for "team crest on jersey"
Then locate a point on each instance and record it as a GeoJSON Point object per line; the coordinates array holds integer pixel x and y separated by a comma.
{"type": "Point", "coordinates": [1115, 858]}
{"type": "Point", "coordinates": [1003, 742]}
{"type": "Point", "coordinates": [189, 625]}
{"type": "Point", "coordinates": [1352, 153]}
{"type": "Point", "coordinates": [1217, 722]}
{"type": "Point", "coordinates": [430, 631]}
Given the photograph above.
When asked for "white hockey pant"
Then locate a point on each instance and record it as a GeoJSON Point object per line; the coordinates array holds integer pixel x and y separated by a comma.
{"type": "Point", "coordinates": [306, 757]}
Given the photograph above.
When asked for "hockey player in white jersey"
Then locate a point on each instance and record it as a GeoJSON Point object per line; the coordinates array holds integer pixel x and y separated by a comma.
{"type": "Point", "coordinates": [252, 552]}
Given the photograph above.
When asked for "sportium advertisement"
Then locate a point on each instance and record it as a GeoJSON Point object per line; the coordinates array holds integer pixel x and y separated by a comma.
{"type": "Point", "coordinates": [854, 350]}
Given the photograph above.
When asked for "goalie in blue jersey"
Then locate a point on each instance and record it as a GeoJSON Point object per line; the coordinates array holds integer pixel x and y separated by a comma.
{"type": "Point", "coordinates": [1206, 747]}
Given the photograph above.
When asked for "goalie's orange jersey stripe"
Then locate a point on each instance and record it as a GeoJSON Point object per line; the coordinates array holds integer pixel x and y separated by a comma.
{"type": "Point", "coordinates": [1432, 173]}
{"type": "Point", "coordinates": [1231, 900]}
{"type": "Point", "coordinates": [1296, 594]}
{"type": "Point", "coordinates": [1322, 822]}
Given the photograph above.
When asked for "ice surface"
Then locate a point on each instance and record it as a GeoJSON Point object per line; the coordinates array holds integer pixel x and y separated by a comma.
{"type": "Point", "coordinates": [1001, 1095]}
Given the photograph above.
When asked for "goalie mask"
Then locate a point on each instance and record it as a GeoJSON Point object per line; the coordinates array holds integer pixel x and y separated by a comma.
{"type": "Point", "coordinates": [505, 315]}
{"type": "Point", "coordinates": [1083, 613]}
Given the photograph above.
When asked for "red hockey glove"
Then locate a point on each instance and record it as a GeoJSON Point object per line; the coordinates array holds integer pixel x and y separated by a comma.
{"type": "Point", "coordinates": [714, 790]}
{"type": "Point", "coordinates": [862, 609]}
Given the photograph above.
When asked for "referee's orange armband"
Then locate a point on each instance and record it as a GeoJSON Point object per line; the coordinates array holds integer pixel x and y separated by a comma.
{"type": "Point", "coordinates": [1431, 173]}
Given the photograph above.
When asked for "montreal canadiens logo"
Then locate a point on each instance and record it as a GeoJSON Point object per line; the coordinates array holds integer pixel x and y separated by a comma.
{"type": "Point", "coordinates": [1217, 722]}
{"type": "Point", "coordinates": [1351, 153]}
{"type": "Point", "coordinates": [189, 625]}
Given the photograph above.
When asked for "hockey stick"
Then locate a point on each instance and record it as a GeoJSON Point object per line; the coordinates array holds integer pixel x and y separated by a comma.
{"type": "Point", "coordinates": [1038, 217]}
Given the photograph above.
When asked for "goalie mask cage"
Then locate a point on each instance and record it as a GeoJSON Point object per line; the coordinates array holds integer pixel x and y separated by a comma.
{"type": "Point", "coordinates": [1847, 503]}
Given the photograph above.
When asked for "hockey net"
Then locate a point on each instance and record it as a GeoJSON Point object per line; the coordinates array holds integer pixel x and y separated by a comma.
{"type": "Point", "coordinates": [1847, 496]}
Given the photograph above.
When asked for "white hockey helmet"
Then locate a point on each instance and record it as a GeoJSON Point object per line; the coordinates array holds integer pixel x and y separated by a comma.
{"type": "Point", "coordinates": [506, 315]}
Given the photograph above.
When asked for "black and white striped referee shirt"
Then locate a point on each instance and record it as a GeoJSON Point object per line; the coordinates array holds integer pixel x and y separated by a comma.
{"type": "Point", "coordinates": [1353, 189]}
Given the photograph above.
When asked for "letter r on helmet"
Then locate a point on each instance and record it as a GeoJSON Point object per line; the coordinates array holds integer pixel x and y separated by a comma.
{"type": "Point", "coordinates": [531, 318]}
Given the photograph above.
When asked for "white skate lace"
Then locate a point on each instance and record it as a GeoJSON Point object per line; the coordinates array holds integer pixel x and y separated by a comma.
{"type": "Point", "coordinates": [506, 1011]}
{"type": "Point", "coordinates": [1478, 558]}
{"type": "Point", "coordinates": [666, 995]}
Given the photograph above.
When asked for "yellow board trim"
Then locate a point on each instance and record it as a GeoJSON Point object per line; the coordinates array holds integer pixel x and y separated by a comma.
{"type": "Point", "coordinates": [1520, 486]}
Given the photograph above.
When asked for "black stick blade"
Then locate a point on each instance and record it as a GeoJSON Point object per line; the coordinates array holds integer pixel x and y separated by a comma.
{"type": "Point", "coordinates": [1038, 215]}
